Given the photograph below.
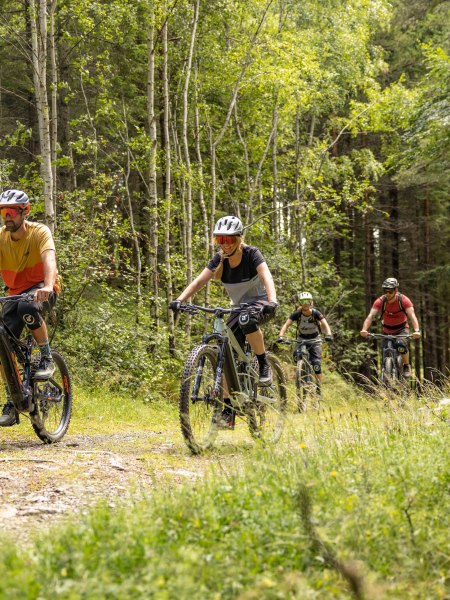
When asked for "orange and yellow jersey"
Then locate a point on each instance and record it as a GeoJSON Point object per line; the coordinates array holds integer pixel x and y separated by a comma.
{"type": "Point", "coordinates": [21, 263]}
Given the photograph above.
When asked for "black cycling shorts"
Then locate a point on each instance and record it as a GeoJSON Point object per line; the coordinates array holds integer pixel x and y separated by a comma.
{"type": "Point", "coordinates": [18, 314]}
{"type": "Point", "coordinates": [241, 326]}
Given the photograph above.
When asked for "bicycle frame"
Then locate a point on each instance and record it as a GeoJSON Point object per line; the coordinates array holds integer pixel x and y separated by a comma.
{"type": "Point", "coordinates": [11, 350]}
{"type": "Point", "coordinates": [390, 351]}
{"type": "Point", "coordinates": [227, 363]}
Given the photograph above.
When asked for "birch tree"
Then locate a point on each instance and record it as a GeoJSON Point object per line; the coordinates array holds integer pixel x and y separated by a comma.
{"type": "Point", "coordinates": [39, 38]}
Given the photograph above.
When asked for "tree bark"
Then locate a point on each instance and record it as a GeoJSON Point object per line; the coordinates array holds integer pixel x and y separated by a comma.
{"type": "Point", "coordinates": [39, 34]}
{"type": "Point", "coordinates": [152, 177]}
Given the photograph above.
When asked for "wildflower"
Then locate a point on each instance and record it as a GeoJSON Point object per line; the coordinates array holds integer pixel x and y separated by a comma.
{"type": "Point", "coordinates": [333, 473]}
{"type": "Point", "coordinates": [302, 445]}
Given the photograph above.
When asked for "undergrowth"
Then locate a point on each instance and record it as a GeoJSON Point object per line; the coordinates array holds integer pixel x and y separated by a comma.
{"type": "Point", "coordinates": [355, 501]}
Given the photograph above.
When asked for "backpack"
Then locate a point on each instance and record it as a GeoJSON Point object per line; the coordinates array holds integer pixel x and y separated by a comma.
{"type": "Point", "coordinates": [400, 305]}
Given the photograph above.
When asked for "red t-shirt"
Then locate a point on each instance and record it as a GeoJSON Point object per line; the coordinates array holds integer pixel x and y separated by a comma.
{"type": "Point", "coordinates": [394, 318]}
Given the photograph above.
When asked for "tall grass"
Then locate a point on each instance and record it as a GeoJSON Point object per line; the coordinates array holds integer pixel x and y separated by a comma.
{"type": "Point", "coordinates": [354, 501]}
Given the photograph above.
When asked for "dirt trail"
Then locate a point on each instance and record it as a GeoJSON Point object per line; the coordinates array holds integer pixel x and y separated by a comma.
{"type": "Point", "coordinates": [40, 484]}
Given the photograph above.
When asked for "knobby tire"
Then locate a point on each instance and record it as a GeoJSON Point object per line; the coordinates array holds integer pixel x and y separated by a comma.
{"type": "Point", "coordinates": [199, 411]}
{"type": "Point", "coordinates": [304, 383]}
{"type": "Point", "coordinates": [389, 372]}
{"type": "Point", "coordinates": [266, 416]}
{"type": "Point", "coordinates": [53, 403]}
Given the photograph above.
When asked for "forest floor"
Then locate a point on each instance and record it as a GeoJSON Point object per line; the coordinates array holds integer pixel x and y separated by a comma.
{"type": "Point", "coordinates": [41, 485]}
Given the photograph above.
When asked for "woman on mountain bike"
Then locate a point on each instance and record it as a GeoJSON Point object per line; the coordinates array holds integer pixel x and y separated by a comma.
{"type": "Point", "coordinates": [247, 279]}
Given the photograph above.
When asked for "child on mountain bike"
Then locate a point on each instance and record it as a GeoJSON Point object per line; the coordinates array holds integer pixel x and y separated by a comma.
{"type": "Point", "coordinates": [395, 310]}
{"type": "Point", "coordinates": [310, 323]}
{"type": "Point", "coordinates": [247, 279]}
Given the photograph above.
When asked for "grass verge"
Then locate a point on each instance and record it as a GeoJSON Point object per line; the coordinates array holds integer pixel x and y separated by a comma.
{"type": "Point", "coordinates": [354, 501]}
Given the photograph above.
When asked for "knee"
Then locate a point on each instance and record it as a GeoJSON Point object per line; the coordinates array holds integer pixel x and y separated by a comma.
{"type": "Point", "coordinates": [401, 347]}
{"type": "Point", "coordinates": [30, 315]}
{"type": "Point", "coordinates": [248, 323]}
{"type": "Point", "coordinates": [317, 367]}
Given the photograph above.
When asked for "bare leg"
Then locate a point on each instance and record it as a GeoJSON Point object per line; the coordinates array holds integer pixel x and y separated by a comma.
{"type": "Point", "coordinates": [40, 334]}
{"type": "Point", "coordinates": [256, 341]}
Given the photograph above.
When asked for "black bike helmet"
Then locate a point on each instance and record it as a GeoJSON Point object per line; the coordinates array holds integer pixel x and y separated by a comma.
{"type": "Point", "coordinates": [390, 283]}
{"type": "Point", "coordinates": [14, 198]}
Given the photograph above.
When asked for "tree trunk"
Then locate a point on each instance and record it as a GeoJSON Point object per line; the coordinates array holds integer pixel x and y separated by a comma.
{"type": "Point", "coordinates": [167, 189]}
{"type": "Point", "coordinates": [38, 21]}
{"type": "Point", "coordinates": [54, 101]}
{"type": "Point", "coordinates": [152, 178]}
{"type": "Point", "coordinates": [186, 148]}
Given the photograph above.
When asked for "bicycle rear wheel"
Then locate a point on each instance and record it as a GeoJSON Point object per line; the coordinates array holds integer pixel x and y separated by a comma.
{"type": "Point", "coordinates": [52, 411]}
{"type": "Point", "coordinates": [303, 384]}
{"type": "Point", "coordinates": [266, 417]}
{"type": "Point", "coordinates": [200, 409]}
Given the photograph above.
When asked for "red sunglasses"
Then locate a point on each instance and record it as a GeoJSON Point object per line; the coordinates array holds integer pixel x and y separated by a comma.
{"type": "Point", "coordinates": [226, 239]}
{"type": "Point", "coordinates": [10, 211]}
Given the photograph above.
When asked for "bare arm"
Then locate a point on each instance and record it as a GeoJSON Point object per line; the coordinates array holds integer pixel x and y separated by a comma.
{"type": "Point", "coordinates": [267, 279]}
{"type": "Point", "coordinates": [415, 323]}
{"type": "Point", "coordinates": [285, 327]}
{"type": "Point", "coordinates": [196, 285]}
{"type": "Point", "coordinates": [368, 322]}
{"type": "Point", "coordinates": [324, 326]}
{"type": "Point", "coordinates": [50, 272]}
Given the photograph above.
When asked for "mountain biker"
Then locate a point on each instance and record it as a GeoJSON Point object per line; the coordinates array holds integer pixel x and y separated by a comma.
{"type": "Point", "coordinates": [247, 279]}
{"type": "Point", "coordinates": [395, 310]}
{"type": "Point", "coordinates": [27, 266]}
{"type": "Point", "coordinates": [310, 323]}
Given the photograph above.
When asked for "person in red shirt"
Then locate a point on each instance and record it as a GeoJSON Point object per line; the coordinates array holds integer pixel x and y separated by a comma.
{"type": "Point", "coordinates": [395, 310]}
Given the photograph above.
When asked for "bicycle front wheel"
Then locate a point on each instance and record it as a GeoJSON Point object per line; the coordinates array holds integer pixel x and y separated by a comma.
{"type": "Point", "coordinates": [303, 384]}
{"type": "Point", "coordinates": [388, 373]}
{"type": "Point", "coordinates": [266, 419]}
{"type": "Point", "coordinates": [53, 403]}
{"type": "Point", "coordinates": [200, 406]}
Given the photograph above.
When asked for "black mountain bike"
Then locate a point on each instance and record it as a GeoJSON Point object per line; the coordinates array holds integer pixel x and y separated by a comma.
{"type": "Point", "coordinates": [307, 387]}
{"type": "Point", "coordinates": [47, 402]}
{"type": "Point", "coordinates": [391, 362]}
{"type": "Point", "coordinates": [201, 395]}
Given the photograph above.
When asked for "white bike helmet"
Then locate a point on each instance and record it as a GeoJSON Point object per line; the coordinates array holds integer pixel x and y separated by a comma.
{"type": "Point", "coordinates": [14, 198]}
{"type": "Point", "coordinates": [305, 298]}
{"type": "Point", "coordinates": [228, 226]}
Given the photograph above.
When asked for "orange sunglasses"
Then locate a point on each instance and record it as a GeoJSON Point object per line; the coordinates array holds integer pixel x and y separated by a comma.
{"type": "Point", "coordinates": [226, 239]}
{"type": "Point", "coordinates": [12, 211]}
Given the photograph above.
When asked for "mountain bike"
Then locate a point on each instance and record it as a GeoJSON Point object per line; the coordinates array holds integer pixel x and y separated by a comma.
{"type": "Point", "coordinates": [391, 362]}
{"type": "Point", "coordinates": [46, 402]}
{"type": "Point", "coordinates": [220, 357]}
{"type": "Point", "coordinates": [307, 387]}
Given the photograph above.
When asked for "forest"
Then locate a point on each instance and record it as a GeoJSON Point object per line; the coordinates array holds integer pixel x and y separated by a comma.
{"type": "Point", "coordinates": [324, 125]}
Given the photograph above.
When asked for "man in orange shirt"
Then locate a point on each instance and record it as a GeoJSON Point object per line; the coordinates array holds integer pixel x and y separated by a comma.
{"type": "Point", "coordinates": [27, 266]}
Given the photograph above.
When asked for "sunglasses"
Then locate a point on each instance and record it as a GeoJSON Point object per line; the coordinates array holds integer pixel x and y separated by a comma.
{"type": "Point", "coordinates": [305, 301]}
{"type": "Point", "coordinates": [389, 291]}
{"type": "Point", "coordinates": [226, 239]}
{"type": "Point", "coordinates": [11, 212]}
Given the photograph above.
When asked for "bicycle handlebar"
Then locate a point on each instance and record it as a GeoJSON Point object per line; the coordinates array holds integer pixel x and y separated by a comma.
{"type": "Point", "coordinates": [18, 298]}
{"type": "Point", "coordinates": [218, 311]}
{"type": "Point", "coordinates": [298, 341]}
{"type": "Point", "coordinates": [389, 336]}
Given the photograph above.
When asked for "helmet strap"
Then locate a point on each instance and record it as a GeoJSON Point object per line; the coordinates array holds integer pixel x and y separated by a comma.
{"type": "Point", "coordinates": [231, 253]}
